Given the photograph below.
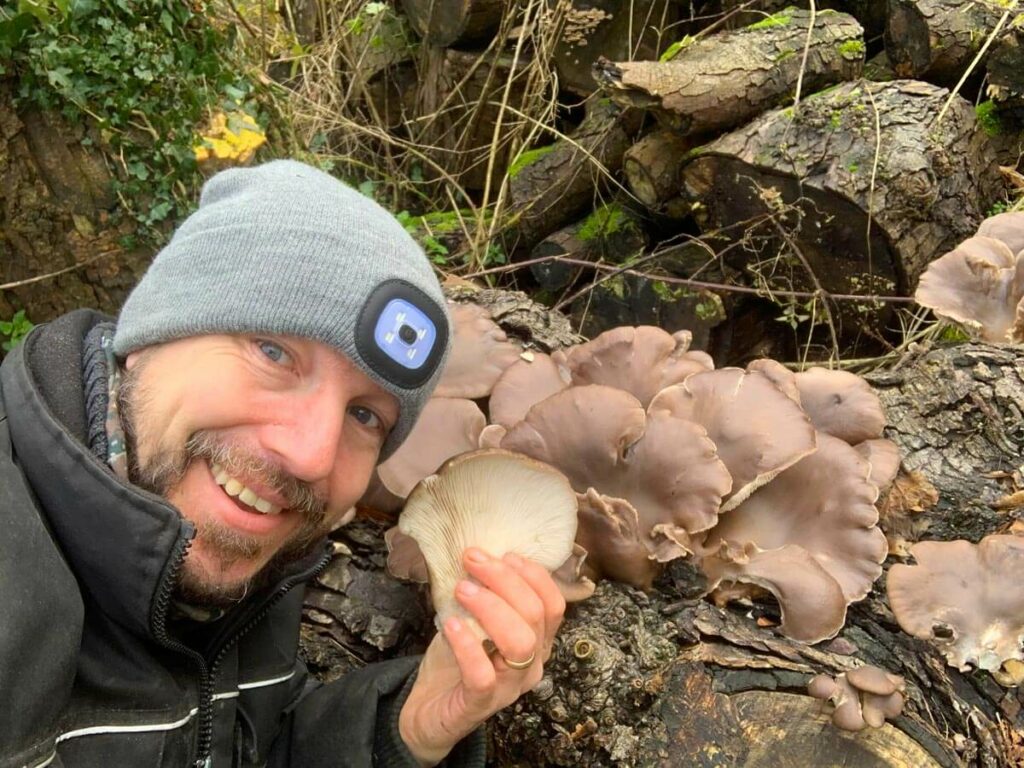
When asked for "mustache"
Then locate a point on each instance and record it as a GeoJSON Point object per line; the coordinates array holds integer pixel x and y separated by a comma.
{"type": "Point", "coordinates": [298, 494]}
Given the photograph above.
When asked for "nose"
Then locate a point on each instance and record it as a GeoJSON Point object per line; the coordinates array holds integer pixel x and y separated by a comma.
{"type": "Point", "coordinates": [306, 434]}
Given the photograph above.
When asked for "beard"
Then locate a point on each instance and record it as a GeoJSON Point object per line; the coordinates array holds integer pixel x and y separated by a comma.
{"type": "Point", "coordinates": [166, 468]}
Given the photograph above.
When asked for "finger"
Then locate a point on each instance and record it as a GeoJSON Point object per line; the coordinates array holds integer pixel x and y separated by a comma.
{"type": "Point", "coordinates": [478, 674]}
{"type": "Point", "coordinates": [544, 586]}
{"type": "Point", "coordinates": [514, 638]}
{"type": "Point", "coordinates": [505, 581]}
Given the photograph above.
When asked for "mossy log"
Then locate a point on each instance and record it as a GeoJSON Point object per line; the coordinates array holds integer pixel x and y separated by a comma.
{"type": "Point", "coordinates": [56, 200]}
{"type": "Point", "coordinates": [652, 166]}
{"type": "Point", "coordinates": [863, 227]}
{"type": "Point", "coordinates": [666, 679]}
{"type": "Point", "coordinates": [936, 40]}
{"type": "Point", "coordinates": [551, 186]}
{"type": "Point", "coordinates": [725, 79]}
{"type": "Point", "coordinates": [447, 22]}
{"type": "Point", "coordinates": [616, 29]}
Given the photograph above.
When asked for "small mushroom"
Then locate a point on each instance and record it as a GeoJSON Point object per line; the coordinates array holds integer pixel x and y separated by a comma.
{"type": "Point", "coordinates": [863, 697]}
{"type": "Point", "coordinates": [497, 501]}
{"type": "Point", "coordinates": [964, 597]}
{"type": "Point", "coordinates": [609, 530]}
{"type": "Point", "coordinates": [480, 353]}
{"type": "Point", "coordinates": [841, 404]}
{"type": "Point", "coordinates": [884, 457]}
{"type": "Point", "coordinates": [641, 360]}
{"type": "Point", "coordinates": [1007, 228]}
{"type": "Point", "coordinates": [757, 429]}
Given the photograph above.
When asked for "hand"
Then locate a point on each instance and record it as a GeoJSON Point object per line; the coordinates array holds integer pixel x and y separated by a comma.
{"type": "Point", "coordinates": [459, 685]}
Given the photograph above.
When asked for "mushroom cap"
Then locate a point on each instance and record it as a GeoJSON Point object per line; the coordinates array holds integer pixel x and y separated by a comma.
{"type": "Point", "coordinates": [824, 504]}
{"type": "Point", "coordinates": [811, 601]}
{"type": "Point", "coordinates": [405, 558]}
{"type": "Point", "coordinates": [781, 376]}
{"type": "Point", "coordinates": [757, 430]}
{"type": "Point", "coordinates": [641, 360]}
{"type": "Point", "coordinates": [447, 427]}
{"type": "Point", "coordinates": [1006, 227]}
{"type": "Point", "coordinates": [571, 579]}
{"type": "Point", "coordinates": [841, 404]}
{"type": "Point", "coordinates": [965, 597]}
{"type": "Point", "coordinates": [871, 679]}
{"type": "Point", "coordinates": [884, 457]}
{"type": "Point", "coordinates": [877, 709]}
{"type": "Point", "coordinates": [821, 687]}
{"type": "Point", "coordinates": [979, 284]}
{"type": "Point", "coordinates": [609, 530]}
{"type": "Point", "coordinates": [601, 438]}
{"type": "Point", "coordinates": [524, 384]}
{"type": "Point", "coordinates": [480, 352]}
{"type": "Point", "coordinates": [496, 500]}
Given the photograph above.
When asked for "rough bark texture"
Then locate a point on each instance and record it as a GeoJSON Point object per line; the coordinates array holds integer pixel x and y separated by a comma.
{"type": "Point", "coordinates": [1006, 66]}
{"type": "Point", "coordinates": [932, 183]}
{"type": "Point", "coordinates": [725, 79]}
{"type": "Point", "coordinates": [55, 195]}
{"type": "Point", "coordinates": [447, 22]}
{"type": "Point", "coordinates": [665, 679]}
{"type": "Point", "coordinates": [652, 166]}
{"type": "Point", "coordinates": [562, 182]}
{"type": "Point", "coordinates": [936, 40]}
{"type": "Point", "coordinates": [620, 30]}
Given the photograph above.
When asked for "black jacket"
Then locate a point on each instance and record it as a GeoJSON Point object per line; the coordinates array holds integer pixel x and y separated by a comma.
{"type": "Point", "coordinates": [90, 673]}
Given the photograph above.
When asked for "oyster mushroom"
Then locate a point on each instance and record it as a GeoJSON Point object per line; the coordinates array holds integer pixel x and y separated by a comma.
{"type": "Point", "coordinates": [496, 500]}
{"type": "Point", "coordinates": [641, 360]}
{"type": "Point", "coordinates": [863, 697]}
{"type": "Point", "coordinates": [980, 283]}
{"type": "Point", "coordinates": [757, 429]}
{"type": "Point", "coordinates": [480, 353]}
{"type": "Point", "coordinates": [841, 404]}
{"type": "Point", "coordinates": [884, 457]}
{"type": "Point", "coordinates": [609, 530]}
{"type": "Point", "coordinates": [665, 467]}
{"type": "Point", "coordinates": [524, 384]}
{"type": "Point", "coordinates": [964, 597]}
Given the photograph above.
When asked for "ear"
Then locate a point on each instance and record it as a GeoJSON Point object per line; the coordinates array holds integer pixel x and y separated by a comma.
{"type": "Point", "coordinates": [131, 360]}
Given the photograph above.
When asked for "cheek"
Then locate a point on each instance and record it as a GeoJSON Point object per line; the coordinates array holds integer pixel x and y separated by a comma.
{"type": "Point", "coordinates": [350, 481]}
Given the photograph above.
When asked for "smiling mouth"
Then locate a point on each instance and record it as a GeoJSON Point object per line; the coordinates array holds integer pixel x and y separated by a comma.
{"type": "Point", "coordinates": [242, 494]}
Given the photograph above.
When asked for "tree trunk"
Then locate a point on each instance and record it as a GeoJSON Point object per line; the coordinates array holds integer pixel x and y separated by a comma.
{"type": "Point", "coordinates": [936, 40]}
{"type": "Point", "coordinates": [448, 22]}
{"type": "Point", "coordinates": [560, 182]}
{"type": "Point", "coordinates": [620, 30]}
{"type": "Point", "coordinates": [862, 229]}
{"type": "Point", "coordinates": [728, 78]}
{"type": "Point", "coordinates": [55, 201]}
{"type": "Point", "coordinates": [652, 167]}
{"type": "Point", "coordinates": [1006, 68]}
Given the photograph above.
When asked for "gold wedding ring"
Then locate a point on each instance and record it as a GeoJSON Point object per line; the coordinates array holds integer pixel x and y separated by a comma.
{"type": "Point", "coordinates": [520, 664]}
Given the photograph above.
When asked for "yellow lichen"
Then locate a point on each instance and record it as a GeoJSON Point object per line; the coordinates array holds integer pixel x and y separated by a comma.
{"type": "Point", "coordinates": [233, 137]}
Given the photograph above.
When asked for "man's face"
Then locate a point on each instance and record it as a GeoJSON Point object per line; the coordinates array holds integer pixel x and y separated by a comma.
{"type": "Point", "coordinates": [263, 442]}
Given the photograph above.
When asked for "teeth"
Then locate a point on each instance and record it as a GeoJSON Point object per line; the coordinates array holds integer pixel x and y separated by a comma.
{"type": "Point", "coordinates": [233, 487]}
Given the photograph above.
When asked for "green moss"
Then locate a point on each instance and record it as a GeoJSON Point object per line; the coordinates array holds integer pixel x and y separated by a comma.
{"type": "Point", "coordinates": [852, 48]}
{"type": "Point", "coordinates": [784, 54]}
{"type": "Point", "coordinates": [852, 167]}
{"type": "Point", "coordinates": [780, 19]}
{"type": "Point", "coordinates": [987, 114]}
{"type": "Point", "coordinates": [836, 119]}
{"type": "Point", "coordinates": [528, 157]}
{"type": "Point", "coordinates": [673, 50]}
{"type": "Point", "coordinates": [605, 221]}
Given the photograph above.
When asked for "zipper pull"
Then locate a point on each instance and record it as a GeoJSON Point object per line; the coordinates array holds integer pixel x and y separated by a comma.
{"type": "Point", "coordinates": [207, 763]}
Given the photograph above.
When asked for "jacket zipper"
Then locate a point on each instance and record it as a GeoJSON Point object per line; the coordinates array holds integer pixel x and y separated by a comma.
{"type": "Point", "coordinates": [204, 755]}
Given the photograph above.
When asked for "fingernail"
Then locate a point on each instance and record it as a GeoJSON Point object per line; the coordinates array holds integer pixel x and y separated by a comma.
{"type": "Point", "coordinates": [453, 625]}
{"type": "Point", "coordinates": [513, 559]}
{"type": "Point", "coordinates": [477, 555]}
{"type": "Point", "coordinates": [468, 588]}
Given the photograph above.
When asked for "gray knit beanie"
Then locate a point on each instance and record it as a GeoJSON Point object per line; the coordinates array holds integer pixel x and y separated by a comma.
{"type": "Point", "coordinates": [284, 248]}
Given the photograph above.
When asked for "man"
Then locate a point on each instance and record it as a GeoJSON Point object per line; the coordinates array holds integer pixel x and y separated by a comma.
{"type": "Point", "coordinates": [166, 486]}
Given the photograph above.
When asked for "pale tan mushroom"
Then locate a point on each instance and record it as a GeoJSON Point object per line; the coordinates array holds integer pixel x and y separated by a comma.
{"type": "Point", "coordinates": [601, 438]}
{"type": "Point", "coordinates": [781, 376]}
{"type": "Point", "coordinates": [824, 504]}
{"type": "Point", "coordinates": [609, 530]}
{"type": "Point", "coordinates": [757, 429]}
{"type": "Point", "coordinates": [841, 404]}
{"type": "Point", "coordinates": [447, 427]}
{"type": "Point", "coordinates": [884, 457]}
{"type": "Point", "coordinates": [863, 697]}
{"type": "Point", "coordinates": [495, 500]}
{"type": "Point", "coordinates": [641, 360]}
{"type": "Point", "coordinates": [965, 597]}
{"type": "Point", "coordinates": [524, 384]}
{"type": "Point", "coordinates": [480, 353]}
{"type": "Point", "coordinates": [980, 285]}
{"type": "Point", "coordinates": [1007, 228]}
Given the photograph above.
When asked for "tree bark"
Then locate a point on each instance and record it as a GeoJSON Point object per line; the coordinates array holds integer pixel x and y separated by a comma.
{"type": "Point", "coordinates": [56, 198]}
{"type": "Point", "coordinates": [620, 30]}
{"type": "Point", "coordinates": [936, 40]}
{"type": "Point", "coordinates": [450, 22]}
{"type": "Point", "coordinates": [728, 78]}
{"type": "Point", "coordinates": [652, 166]}
{"type": "Point", "coordinates": [1006, 67]}
{"type": "Point", "coordinates": [862, 229]}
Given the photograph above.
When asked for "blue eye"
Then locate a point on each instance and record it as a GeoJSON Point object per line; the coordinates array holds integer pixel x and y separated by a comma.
{"type": "Point", "coordinates": [366, 417]}
{"type": "Point", "coordinates": [274, 352]}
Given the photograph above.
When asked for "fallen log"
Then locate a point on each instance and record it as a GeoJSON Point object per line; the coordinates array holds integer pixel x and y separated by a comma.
{"type": "Point", "coordinates": [1006, 66]}
{"type": "Point", "coordinates": [616, 29]}
{"type": "Point", "coordinates": [725, 79]}
{"type": "Point", "coordinates": [666, 679]}
{"type": "Point", "coordinates": [936, 40]}
{"type": "Point", "coordinates": [446, 22]}
{"type": "Point", "coordinates": [652, 166]}
{"type": "Point", "coordinates": [862, 228]}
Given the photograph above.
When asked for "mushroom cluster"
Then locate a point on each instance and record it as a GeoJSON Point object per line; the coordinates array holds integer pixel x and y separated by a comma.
{"type": "Point", "coordinates": [863, 697]}
{"type": "Point", "coordinates": [766, 478]}
{"type": "Point", "coordinates": [967, 599]}
{"type": "Point", "coordinates": [980, 283]}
